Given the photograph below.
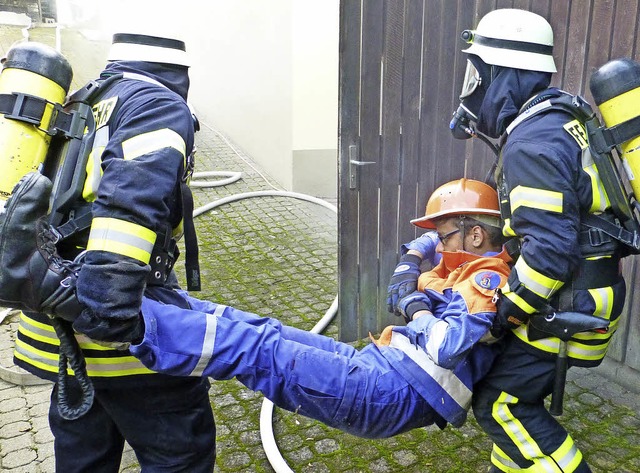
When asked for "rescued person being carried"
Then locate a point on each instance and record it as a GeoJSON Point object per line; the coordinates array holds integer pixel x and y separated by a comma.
{"type": "Point", "coordinates": [411, 376]}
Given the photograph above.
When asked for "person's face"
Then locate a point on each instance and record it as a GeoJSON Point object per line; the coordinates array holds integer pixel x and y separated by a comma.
{"type": "Point", "coordinates": [450, 235]}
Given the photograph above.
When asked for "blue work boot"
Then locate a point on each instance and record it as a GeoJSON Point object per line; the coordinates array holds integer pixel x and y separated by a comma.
{"type": "Point", "coordinates": [33, 277]}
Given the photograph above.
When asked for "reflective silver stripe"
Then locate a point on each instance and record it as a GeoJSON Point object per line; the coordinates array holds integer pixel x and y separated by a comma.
{"type": "Point", "coordinates": [498, 457]}
{"type": "Point", "coordinates": [539, 199]}
{"type": "Point", "coordinates": [519, 434]}
{"type": "Point", "coordinates": [535, 281]}
{"type": "Point", "coordinates": [151, 141]}
{"type": "Point", "coordinates": [527, 114]}
{"type": "Point", "coordinates": [140, 77]}
{"type": "Point", "coordinates": [460, 393]}
{"type": "Point", "coordinates": [576, 349]}
{"type": "Point", "coordinates": [111, 234]}
{"type": "Point", "coordinates": [94, 168]}
{"type": "Point", "coordinates": [569, 460]}
{"type": "Point", "coordinates": [436, 338]}
{"type": "Point", "coordinates": [208, 344]}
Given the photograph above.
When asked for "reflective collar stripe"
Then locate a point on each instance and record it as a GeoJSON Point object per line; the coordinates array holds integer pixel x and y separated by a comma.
{"type": "Point", "coordinates": [208, 344]}
{"type": "Point", "coordinates": [140, 77]}
{"type": "Point", "coordinates": [121, 237]}
{"type": "Point", "coordinates": [460, 393]}
{"type": "Point", "coordinates": [149, 142]}
{"type": "Point", "coordinates": [528, 114]}
{"type": "Point", "coordinates": [535, 281]}
{"type": "Point", "coordinates": [531, 197]}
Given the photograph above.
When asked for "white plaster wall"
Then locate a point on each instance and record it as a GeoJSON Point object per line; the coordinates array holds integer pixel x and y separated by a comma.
{"type": "Point", "coordinates": [241, 78]}
{"type": "Point", "coordinates": [264, 73]}
{"type": "Point", "coordinates": [315, 74]}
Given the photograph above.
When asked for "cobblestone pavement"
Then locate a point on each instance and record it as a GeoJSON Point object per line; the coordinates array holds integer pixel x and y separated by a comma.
{"type": "Point", "coordinates": [276, 256]}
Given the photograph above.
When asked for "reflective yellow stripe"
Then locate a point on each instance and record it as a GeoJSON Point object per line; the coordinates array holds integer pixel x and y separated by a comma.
{"type": "Point", "coordinates": [37, 331]}
{"type": "Point", "coordinates": [507, 230]}
{"type": "Point", "coordinates": [603, 299]}
{"type": "Point", "coordinates": [519, 435]}
{"type": "Point", "coordinates": [567, 456]}
{"type": "Point", "coordinates": [520, 302]}
{"type": "Point", "coordinates": [576, 349]}
{"type": "Point", "coordinates": [112, 367]}
{"type": "Point", "coordinates": [96, 367]}
{"type": "Point", "coordinates": [540, 199]}
{"type": "Point", "coordinates": [38, 358]}
{"type": "Point", "coordinates": [579, 346]}
{"type": "Point", "coordinates": [146, 143]}
{"type": "Point", "coordinates": [502, 461]}
{"type": "Point", "coordinates": [600, 199]}
{"type": "Point", "coordinates": [94, 164]}
{"type": "Point", "coordinates": [121, 237]}
{"type": "Point", "coordinates": [535, 281]}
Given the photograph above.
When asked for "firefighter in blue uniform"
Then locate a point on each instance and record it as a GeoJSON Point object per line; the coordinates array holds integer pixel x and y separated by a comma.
{"type": "Point", "coordinates": [143, 139]}
{"type": "Point", "coordinates": [547, 183]}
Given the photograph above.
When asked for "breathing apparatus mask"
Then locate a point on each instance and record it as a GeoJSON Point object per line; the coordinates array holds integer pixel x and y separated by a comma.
{"type": "Point", "coordinates": [477, 78]}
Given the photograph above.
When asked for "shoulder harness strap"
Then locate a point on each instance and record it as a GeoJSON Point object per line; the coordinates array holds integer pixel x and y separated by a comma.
{"type": "Point", "coordinates": [599, 138]}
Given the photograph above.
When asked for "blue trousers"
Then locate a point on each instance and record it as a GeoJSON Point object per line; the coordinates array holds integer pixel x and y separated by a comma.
{"type": "Point", "coordinates": [358, 392]}
{"type": "Point", "coordinates": [170, 428]}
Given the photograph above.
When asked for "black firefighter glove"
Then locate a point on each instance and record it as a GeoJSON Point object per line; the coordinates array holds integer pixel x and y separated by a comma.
{"type": "Point", "coordinates": [403, 282]}
{"type": "Point", "coordinates": [112, 294]}
{"type": "Point", "coordinates": [508, 316]}
{"type": "Point", "coordinates": [414, 302]}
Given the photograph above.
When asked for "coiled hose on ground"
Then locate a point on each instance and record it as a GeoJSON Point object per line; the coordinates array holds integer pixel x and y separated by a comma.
{"type": "Point", "coordinates": [269, 444]}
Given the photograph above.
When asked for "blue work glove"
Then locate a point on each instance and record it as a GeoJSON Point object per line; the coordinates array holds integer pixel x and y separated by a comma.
{"type": "Point", "coordinates": [426, 245]}
{"type": "Point", "coordinates": [409, 305]}
{"type": "Point", "coordinates": [403, 282]}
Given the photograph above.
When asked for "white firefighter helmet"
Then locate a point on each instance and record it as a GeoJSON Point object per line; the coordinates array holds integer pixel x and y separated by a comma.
{"type": "Point", "coordinates": [149, 32]}
{"type": "Point", "coordinates": [148, 48]}
{"type": "Point", "coordinates": [513, 38]}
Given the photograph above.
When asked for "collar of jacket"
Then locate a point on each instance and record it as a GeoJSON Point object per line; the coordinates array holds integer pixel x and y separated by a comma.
{"type": "Point", "coordinates": [451, 260]}
{"type": "Point", "coordinates": [174, 78]}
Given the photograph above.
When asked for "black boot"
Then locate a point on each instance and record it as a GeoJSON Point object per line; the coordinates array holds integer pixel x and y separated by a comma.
{"type": "Point", "coordinates": [33, 277]}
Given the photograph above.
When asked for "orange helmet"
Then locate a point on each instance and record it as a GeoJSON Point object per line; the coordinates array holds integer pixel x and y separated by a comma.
{"type": "Point", "coordinates": [461, 197]}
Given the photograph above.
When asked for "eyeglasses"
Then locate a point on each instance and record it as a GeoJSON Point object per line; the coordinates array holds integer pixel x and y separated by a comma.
{"type": "Point", "coordinates": [443, 238]}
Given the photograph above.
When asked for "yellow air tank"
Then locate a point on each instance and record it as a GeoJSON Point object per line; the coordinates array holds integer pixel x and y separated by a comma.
{"type": "Point", "coordinates": [34, 78]}
{"type": "Point", "coordinates": [616, 91]}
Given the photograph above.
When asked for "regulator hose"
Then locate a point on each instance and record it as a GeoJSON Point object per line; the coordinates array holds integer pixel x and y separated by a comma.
{"type": "Point", "coordinates": [71, 355]}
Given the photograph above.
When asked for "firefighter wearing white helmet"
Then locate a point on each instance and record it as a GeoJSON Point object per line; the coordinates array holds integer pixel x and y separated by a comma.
{"type": "Point", "coordinates": [548, 184]}
{"type": "Point", "coordinates": [125, 215]}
